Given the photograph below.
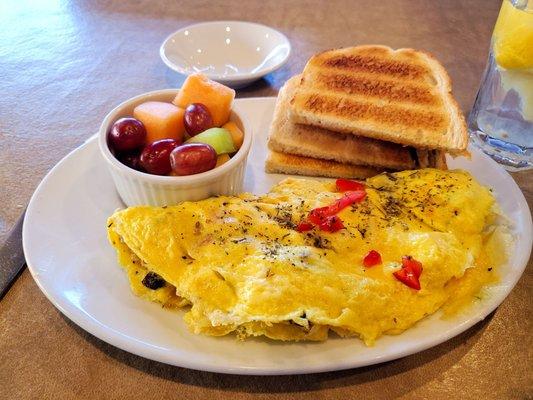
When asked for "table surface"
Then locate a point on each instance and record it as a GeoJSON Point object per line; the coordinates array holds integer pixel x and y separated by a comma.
{"type": "Point", "coordinates": [64, 64]}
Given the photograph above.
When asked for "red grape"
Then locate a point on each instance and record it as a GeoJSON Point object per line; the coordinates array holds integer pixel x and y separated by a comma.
{"type": "Point", "coordinates": [127, 134]}
{"type": "Point", "coordinates": [155, 157]}
{"type": "Point", "coordinates": [197, 118]}
{"type": "Point", "coordinates": [131, 159]}
{"type": "Point", "coordinates": [193, 158]}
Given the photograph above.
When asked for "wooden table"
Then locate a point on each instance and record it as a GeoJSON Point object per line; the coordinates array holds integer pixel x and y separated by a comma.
{"type": "Point", "coordinates": [64, 65]}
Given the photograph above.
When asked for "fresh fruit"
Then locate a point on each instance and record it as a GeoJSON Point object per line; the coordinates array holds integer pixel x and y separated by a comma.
{"type": "Point", "coordinates": [236, 134]}
{"type": "Point", "coordinates": [131, 159]}
{"type": "Point", "coordinates": [218, 138]}
{"type": "Point", "coordinates": [197, 119]}
{"type": "Point", "coordinates": [162, 120]}
{"type": "Point", "coordinates": [222, 159]}
{"type": "Point", "coordinates": [193, 158]}
{"type": "Point", "coordinates": [127, 134]}
{"type": "Point", "coordinates": [155, 157]}
{"type": "Point", "coordinates": [197, 88]}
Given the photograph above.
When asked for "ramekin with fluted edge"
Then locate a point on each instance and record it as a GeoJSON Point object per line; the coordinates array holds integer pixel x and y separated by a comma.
{"type": "Point", "coordinates": [139, 188]}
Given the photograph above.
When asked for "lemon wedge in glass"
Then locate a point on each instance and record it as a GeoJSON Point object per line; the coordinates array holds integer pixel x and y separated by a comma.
{"type": "Point", "coordinates": [513, 38]}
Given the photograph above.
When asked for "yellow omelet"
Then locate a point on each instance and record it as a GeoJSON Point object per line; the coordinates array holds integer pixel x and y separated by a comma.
{"type": "Point", "coordinates": [238, 264]}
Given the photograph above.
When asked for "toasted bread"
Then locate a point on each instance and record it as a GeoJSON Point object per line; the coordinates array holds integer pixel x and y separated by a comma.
{"type": "Point", "coordinates": [309, 141]}
{"type": "Point", "coordinates": [431, 159]}
{"type": "Point", "coordinates": [280, 163]}
{"type": "Point", "coordinates": [402, 96]}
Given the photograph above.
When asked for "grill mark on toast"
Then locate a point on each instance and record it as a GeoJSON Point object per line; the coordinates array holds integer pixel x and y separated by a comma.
{"type": "Point", "coordinates": [389, 90]}
{"type": "Point", "coordinates": [420, 120]}
{"type": "Point", "coordinates": [376, 65]}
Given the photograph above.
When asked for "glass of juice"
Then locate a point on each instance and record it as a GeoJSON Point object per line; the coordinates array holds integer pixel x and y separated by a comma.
{"type": "Point", "coordinates": [501, 121]}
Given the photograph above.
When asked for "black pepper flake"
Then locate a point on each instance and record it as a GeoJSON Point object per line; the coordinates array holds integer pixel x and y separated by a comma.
{"type": "Point", "coordinates": [153, 281]}
{"type": "Point", "coordinates": [489, 269]}
{"type": "Point", "coordinates": [110, 225]}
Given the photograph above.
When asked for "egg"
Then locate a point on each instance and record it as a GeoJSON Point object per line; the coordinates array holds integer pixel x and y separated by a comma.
{"type": "Point", "coordinates": [239, 264]}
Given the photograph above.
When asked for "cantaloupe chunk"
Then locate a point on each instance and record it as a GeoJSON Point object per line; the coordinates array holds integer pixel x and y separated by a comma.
{"type": "Point", "coordinates": [161, 120]}
{"type": "Point", "coordinates": [236, 134]}
{"type": "Point", "coordinates": [222, 159]}
{"type": "Point", "coordinates": [218, 98]}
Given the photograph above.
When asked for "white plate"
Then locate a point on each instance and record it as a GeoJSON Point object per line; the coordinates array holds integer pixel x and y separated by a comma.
{"type": "Point", "coordinates": [70, 259]}
{"type": "Point", "coordinates": [235, 53]}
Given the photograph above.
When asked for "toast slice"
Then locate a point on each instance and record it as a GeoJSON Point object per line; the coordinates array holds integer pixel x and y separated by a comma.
{"type": "Point", "coordinates": [402, 96]}
{"type": "Point", "coordinates": [309, 141]}
{"type": "Point", "coordinates": [280, 163]}
{"type": "Point", "coordinates": [290, 164]}
{"type": "Point", "coordinates": [431, 159]}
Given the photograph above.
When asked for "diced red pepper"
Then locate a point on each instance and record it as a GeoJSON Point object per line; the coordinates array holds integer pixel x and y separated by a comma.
{"type": "Point", "coordinates": [323, 216]}
{"type": "Point", "coordinates": [371, 259]}
{"type": "Point", "coordinates": [304, 226]}
{"type": "Point", "coordinates": [331, 224]}
{"type": "Point", "coordinates": [318, 214]}
{"type": "Point", "coordinates": [344, 185]}
{"type": "Point", "coordinates": [414, 265]}
{"type": "Point", "coordinates": [410, 272]}
{"type": "Point", "coordinates": [349, 198]}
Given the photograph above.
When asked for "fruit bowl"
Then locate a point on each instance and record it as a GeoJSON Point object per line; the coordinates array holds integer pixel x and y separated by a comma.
{"type": "Point", "coordinates": [140, 188]}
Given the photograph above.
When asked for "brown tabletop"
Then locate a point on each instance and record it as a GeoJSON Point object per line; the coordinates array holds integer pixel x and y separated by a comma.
{"type": "Point", "coordinates": [65, 64]}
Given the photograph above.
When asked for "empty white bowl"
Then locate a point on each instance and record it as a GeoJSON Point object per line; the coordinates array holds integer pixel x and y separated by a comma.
{"type": "Point", "coordinates": [139, 188]}
{"type": "Point", "coordinates": [234, 53]}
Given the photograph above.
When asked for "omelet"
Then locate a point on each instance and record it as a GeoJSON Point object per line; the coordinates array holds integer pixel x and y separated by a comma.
{"type": "Point", "coordinates": [243, 265]}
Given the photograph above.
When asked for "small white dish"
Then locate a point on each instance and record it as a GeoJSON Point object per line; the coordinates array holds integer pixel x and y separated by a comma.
{"type": "Point", "coordinates": [68, 255]}
{"type": "Point", "coordinates": [140, 188]}
{"type": "Point", "coordinates": [234, 53]}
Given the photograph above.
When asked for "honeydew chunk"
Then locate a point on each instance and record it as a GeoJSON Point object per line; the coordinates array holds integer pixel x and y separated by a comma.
{"type": "Point", "coordinates": [161, 120]}
{"type": "Point", "coordinates": [218, 98]}
{"type": "Point", "coordinates": [218, 138]}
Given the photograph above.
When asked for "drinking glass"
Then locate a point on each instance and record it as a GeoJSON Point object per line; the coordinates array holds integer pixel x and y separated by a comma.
{"type": "Point", "coordinates": [501, 121]}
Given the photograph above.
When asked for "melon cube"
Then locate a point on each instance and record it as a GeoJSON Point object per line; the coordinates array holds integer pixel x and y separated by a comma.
{"type": "Point", "coordinates": [218, 98]}
{"type": "Point", "coordinates": [236, 134]}
{"type": "Point", "coordinates": [161, 120]}
{"type": "Point", "coordinates": [222, 159]}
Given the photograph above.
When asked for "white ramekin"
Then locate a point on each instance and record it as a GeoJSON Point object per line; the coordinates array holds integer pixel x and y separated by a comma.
{"type": "Point", "coordinates": [139, 188]}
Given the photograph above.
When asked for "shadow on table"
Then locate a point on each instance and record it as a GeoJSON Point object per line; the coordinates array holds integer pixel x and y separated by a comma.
{"type": "Point", "coordinates": [430, 363]}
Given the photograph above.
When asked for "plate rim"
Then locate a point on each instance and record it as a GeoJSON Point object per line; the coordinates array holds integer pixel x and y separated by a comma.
{"type": "Point", "coordinates": [149, 351]}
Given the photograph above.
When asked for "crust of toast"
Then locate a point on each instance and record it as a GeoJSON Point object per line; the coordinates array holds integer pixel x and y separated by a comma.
{"type": "Point", "coordinates": [279, 163]}
{"type": "Point", "coordinates": [309, 141]}
{"type": "Point", "coordinates": [403, 96]}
